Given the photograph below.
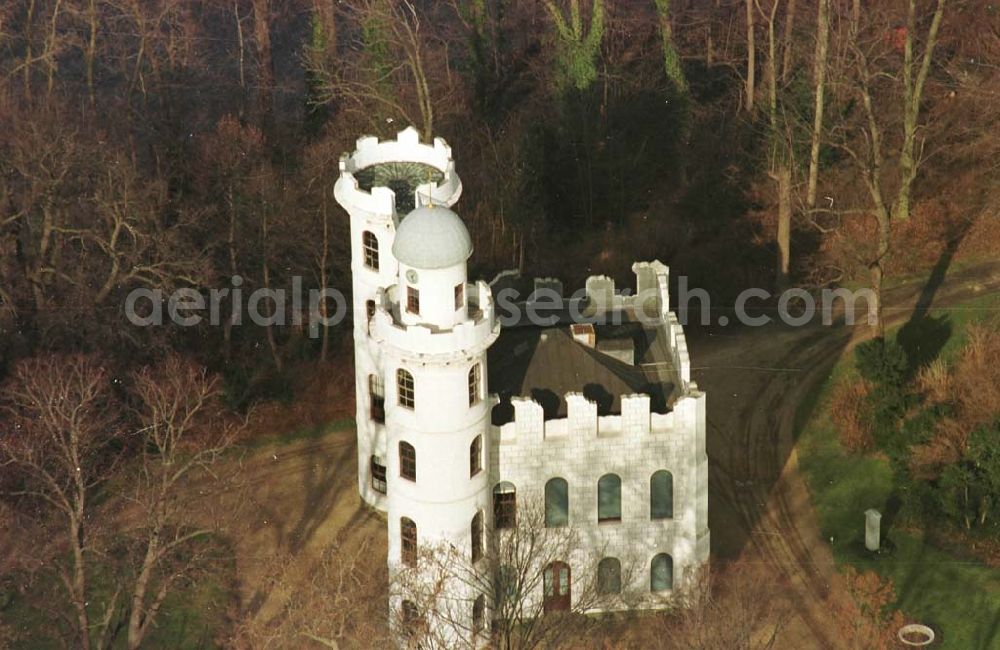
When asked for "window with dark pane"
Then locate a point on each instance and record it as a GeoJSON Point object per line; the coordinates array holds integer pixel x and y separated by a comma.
{"type": "Point", "coordinates": [407, 461]}
{"type": "Point", "coordinates": [609, 498]}
{"type": "Point", "coordinates": [504, 506]}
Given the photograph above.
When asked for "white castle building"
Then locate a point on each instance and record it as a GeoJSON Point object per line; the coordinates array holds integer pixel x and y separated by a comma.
{"type": "Point", "coordinates": [467, 408]}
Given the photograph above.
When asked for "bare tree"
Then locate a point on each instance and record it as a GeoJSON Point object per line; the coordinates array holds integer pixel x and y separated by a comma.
{"type": "Point", "coordinates": [330, 247]}
{"type": "Point", "coordinates": [779, 146]}
{"type": "Point", "coordinates": [161, 41]}
{"type": "Point", "coordinates": [787, 40]}
{"type": "Point", "coordinates": [42, 158]}
{"type": "Point", "coordinates": [340, 600]}
{"type": "Point", "coordinates": [864, 603]}
{"type": "Point", "coordinates": [129, 232]}
{"type": "Point", "coordinates": [735, 607]}
{"type": "Point", "coordinates": [58, 434]}
{"type": "Point", "coordinates": [183, 433]}
{"type": "Point", "coordinates": [390, 67]}
{"type": "Point", "coordinates": [871, 160]}
{"type": "Point", "coordinates": [913, 92]}
{"type": "Point", "coordinates": [750, 82]}
{"type": "Point", "coordinates": [819, 80]}
{"type": "Point", "coordinates": [511, 577]}
{"type": "Point", "coordinates": [90, 49]}
{"type": "Point", "coordinates": [265, 59]}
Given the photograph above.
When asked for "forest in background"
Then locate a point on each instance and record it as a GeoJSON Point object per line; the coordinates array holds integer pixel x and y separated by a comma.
{"type": "Point", "coordinates": [178, 143]}
{"type": "Point", "coordinates": [164, 144]}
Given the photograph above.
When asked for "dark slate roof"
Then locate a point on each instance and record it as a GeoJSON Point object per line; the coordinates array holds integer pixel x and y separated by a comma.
{"type": "Point", "coordinates": [545, 363]}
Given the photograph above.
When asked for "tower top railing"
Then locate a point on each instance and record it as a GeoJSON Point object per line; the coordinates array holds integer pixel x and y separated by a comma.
{"type": "Point", "coordinates": [405, 148]}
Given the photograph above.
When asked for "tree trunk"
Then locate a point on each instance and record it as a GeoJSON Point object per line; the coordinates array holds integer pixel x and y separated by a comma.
{"type": "Point", "coordinates": [265, 62]}
{"type": "Point", "coordinates": [272, 342]}
{"type": "Point", "coordinates": [819, 75]}
{"type": "Point", "coordinates": [671, 59]}
{"type": "Point", "coordinates": [913, 90]}
{"type": "Point", "coordinates": [772, 74]}
{"type": "Point", "coordinates": [241, 48]}
{"type": "Point", "coordinates": [784, 178]}
{"type": "Point", "coordinates": [878, 271]}
{"type": "Point", "coordinates": [327, 19]}
{"type": "Point", "coordinates": [786, 60]}
{"type": "Point", "coordinates": [79, 589]}
{"type": "Point", "coordinates": [91, 52]}
{"type": "Point", "coordinates": [323, 274]}
{"type": "Point", "coordinates": [751, 57]}
{"type": "Point", "coordinates": [137, 617]}
{"type": "Point", "coordinates": [50, 47]}
{"type": "Point", "coordinates": [28, 53]}
{"type": "Point", "coordinates": [227, 327]}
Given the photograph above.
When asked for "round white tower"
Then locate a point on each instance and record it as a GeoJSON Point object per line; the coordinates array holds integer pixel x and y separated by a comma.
{"type": "Point", "coordinates": [377, 180]}
{"type": "Point", "coordinates": [433, 329]}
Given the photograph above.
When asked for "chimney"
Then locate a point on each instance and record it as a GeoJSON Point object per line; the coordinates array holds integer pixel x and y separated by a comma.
{"type": "Point", "coordinates": [584, 333]}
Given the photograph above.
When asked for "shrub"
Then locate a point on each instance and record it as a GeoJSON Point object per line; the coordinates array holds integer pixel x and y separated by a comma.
{"type": "Point", "coordinates": [882, 362]}
{"type": "Point", "coordinates": [934, 382]}
{"type": "Point", "coordinates": [851, 413]}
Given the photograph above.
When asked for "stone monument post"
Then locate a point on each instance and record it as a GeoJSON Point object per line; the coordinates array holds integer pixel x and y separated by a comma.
{"type": "Point", "coordinates": [873, 529]}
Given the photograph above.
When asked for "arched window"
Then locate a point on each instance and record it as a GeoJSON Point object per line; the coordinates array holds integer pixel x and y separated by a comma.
{"type": "Point", "coordinates": [369, 243]}
{"type": "Point", "coordinates": [556, 503]}
{"type": "Point", "coordinates": [476, 456]}
{"type": "Point", "coordinates": [475, 384]}
{"type": "Point", "coordinates": [504, 505]}
{"type": "Point", "coordinates": [661, 573]}
{"type": "Point", "coordinates": [378, 474]}
{"type": "Point", "coordinates": [459, 296]}
{"type": "Point", "coordinates": [408, 541]}
{"type": "Point", "coordinates": [477, 537]}
{"type": "Point", "coordinates": [412, 621]}
{"type": "Point", "coordinates": [506, 587]}
{"type": "Point", "coordinates": [376, 398]}
{"type": "Point", "coordinates": [661, 495]}
{"type": "Point", "coordinates": [556, 581]}
{"type": "Point", "coordinates": [609, 498]}
{"type": "Point", "coordinates": [609, 576]}
{"type": "Point", "coordinates": [478, 615]}
{"type": "Point", "coordinates": [369, 312]}
{"type": "Point", "coordinates": [405, 388]}
{"type": "Point", "coordinates": [407, 461]}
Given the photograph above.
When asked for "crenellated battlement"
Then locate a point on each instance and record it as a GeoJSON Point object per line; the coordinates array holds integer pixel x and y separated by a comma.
{"type": "Point", "coordinates": [599, 301]}
{"type": "Point", "coordinates": [405, 148]}
{"type": "Point", "coordinates": [637, 421]}
{"type": "Point", "coordinates": [478, 332]}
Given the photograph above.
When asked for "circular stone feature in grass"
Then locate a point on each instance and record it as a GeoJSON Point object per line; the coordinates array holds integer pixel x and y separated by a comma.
{"type": "Point", "coordinates": [403, 178]}
{"type": "Point", "coordinates": [916, 635]}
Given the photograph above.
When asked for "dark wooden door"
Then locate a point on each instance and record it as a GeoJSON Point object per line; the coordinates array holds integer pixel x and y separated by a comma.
{"type": "Point", "coordinates": [557, 587]}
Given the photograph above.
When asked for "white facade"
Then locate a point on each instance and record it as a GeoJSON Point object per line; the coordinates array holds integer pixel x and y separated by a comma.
{"type": "Point", "coordinates": [427, 357]}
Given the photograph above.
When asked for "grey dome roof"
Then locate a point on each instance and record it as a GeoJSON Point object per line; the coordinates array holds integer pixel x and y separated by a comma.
{"type": "Point", "coordinates": [432, 237]}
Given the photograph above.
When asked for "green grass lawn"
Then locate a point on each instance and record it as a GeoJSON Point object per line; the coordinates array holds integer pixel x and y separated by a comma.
{"type": "Point", "coordinates": [959, 597]}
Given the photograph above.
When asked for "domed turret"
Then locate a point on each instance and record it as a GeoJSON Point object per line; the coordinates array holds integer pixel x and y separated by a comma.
{"type": "Point", "coordinates": [432, 246]}
{"type": "Point", "coordinates": [432, 237]}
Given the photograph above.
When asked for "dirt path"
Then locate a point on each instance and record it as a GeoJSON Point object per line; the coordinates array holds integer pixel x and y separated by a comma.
{"type": "Point", "coordinates": [292, 502]}
{"type": "Point", "coordinates": [758, 380]}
